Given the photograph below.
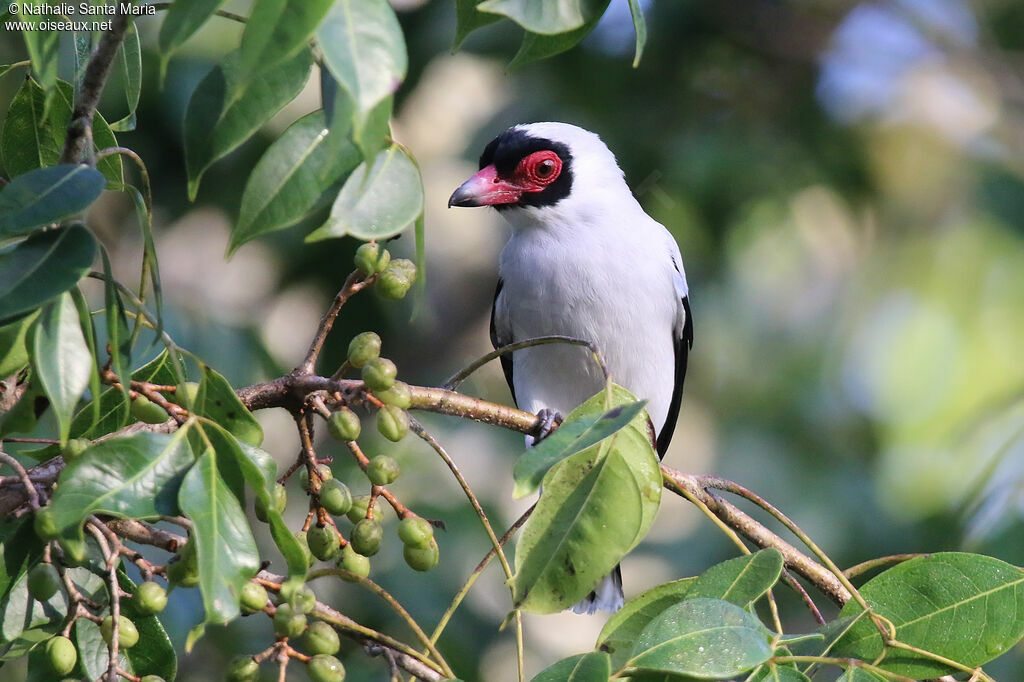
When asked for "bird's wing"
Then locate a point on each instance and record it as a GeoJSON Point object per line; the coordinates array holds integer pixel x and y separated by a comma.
{"type": "Point", "coordinates": [682, 342]}
{"type": "Point", "coordinates": [501, 335]}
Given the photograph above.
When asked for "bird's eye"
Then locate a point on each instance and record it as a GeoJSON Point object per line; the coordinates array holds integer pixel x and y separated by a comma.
{"type": "Point", "coordinates": [545, 168]}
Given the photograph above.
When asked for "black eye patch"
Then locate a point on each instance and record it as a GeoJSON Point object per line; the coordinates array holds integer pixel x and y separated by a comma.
{"type": "Point", "coordinates": [512, 146]}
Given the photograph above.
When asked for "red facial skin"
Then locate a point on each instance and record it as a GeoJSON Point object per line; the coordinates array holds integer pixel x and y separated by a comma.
{"type": "Point", "coordinates": [533, 174]}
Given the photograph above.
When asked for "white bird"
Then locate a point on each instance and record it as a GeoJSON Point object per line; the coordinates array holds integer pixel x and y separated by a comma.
{"type": "Point", "coordinates": [584, 260]}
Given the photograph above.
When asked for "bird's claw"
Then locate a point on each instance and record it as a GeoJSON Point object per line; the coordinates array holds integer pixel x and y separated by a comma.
{"type": "Point", "coordinates": [550, 420]}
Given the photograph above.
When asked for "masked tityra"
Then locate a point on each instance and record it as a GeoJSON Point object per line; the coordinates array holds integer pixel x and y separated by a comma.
{"type": "Point", "coordinates": [585, 261]}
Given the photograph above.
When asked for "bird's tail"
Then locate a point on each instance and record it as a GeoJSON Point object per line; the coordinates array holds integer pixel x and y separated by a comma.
{"type": "Point", "coordinates": [607, 596]}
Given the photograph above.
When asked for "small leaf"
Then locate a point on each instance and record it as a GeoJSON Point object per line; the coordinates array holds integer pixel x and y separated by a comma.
{"type": "Point", "coordinates": [225, 549]}
{"type": "Point", "coordinates": [576, 433]}
{"type": "Point", "coordinates": [129, 61]}
{"type": "Point", "coordinates": [181, 20]}
{"type": "Point", "coordinates": [154, 653]}
{"type": "Point", "coordinates": [742, 580]}
{"type": "Point", "coordinates": [135, 477]}
{"type": "Point", "coordinates": [468, 18]}
{"type": "Point", "coordinates": [536, 46]}
{"type": "Point", "coordinates": [21, 549]}
{"type": "Point", "coordinates": [47, 195]}
{"type": "Point", "coordinates": [291, 177]}
{"type": "Point", "coordinates": [61, 359]}
{"type": "Point", "coordinates": [543, 16]}
{"type": "Point", "coordinates": [966, 607]}
{"type": "Point", "coordinates": [620, 632]}
{"type": "Point", "coordinates": [703, 638]}
{"type": "Point", "coordinates": [371, 130]}
{"type": "Point", "coordinates": [364, 49]}
{"type": "Point", "coordinates": [377, 201]}
{"type": "Point", "coordinates": [13, 352]}
{"type": "Point", "coordinates": [218, 401]}
{"type": "Point", "coordinates": [275, 31]}
{"type": "Point", "coordinates": [589, 667]}
{"type": "Point", "coordinates": [636, 11]}
{"type": "Point", "coordinates": [225, 111]}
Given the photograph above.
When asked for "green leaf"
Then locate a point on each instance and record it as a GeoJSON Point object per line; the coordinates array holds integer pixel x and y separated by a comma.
{"type": "Point", "coordinates": [135, 477]}
{"type": "Point", "coordinates": [371, 131]}
{"type": "Point", "coordinates": [47, 195]}
{"type": "Point", "coordinates": [636, 11]}
{"type": "Point", "coordinates": [20, 613]}
{"type": "Point", "coordinates": [364, 49]}
{"type": "Point", "coordinates": [377, 201]}
{"type": "Point", "coordinates": [589, 667]}
{"type": "Point", "coordinates": [29, 140]}
{"type": "Point", "coordinates": [703, 638]}
{"type": "Point", "coordinates": [854, 674]}
{"type": "Point", "coordinates": [218, 401]}
{"type": "Point", "coordinates": [20, 548]}
{"type": "Point", "coordinates": [118, 339]}
{"type": "Point", "coordinates": [93, 655]}
{"type": "Point", "coordinates": [225, 549]}
{"type": "Point", "coordinates": [536, 46]}
{"type": "Point", "coordinates": [742, 580]}
{"type": "Point", "coordinates": [129, 62]}
{"type": "Point", "coordinates": [579, 431]}
{"type": "Point", "coordinates": [181, 20]}
{"type": "Point", "coordinates": [149, 259]}
{"type": "Point", "coordinates": [543, 16]}
{"type": "Point", "coordinates": [225, 111]}
{"type": "Point", "coordinates": [966, 607]}
{"type": "Point", "coordinates": [275, 31]}
{"type": "Point", "coordinates": [291, 177]}
{"type": "Point", "coordinates": [13, 352]}
{"type": "Point", "coordinates": [468, 19]}
{"type": "Point", "coordinates": [43, 45]}
{"type": "Point", "coordinates": [154, 653]}
{"type": "Point", "coordinates": [777, 673]}
{"type": "Point", "coordinates": [620, 632]}
{"type": "Point", "coordinates": [60, 359]}
{"type": "Point", "coordinates": [596, 505]}
{"type": "Point", "coordinates": [89, 331]}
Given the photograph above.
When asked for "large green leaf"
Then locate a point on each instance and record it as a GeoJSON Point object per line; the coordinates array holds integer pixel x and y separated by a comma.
{"type": "Point", "coordinates": [364, 49]}
{"type": "Point", "coordinates": [275, 31]}
{"type": "Point", "coordinates": [543, 16]}
{"type": "Point", "coordinates": [536, 46]}
{"type": "Point", "coordinates": [468, 19]}
{"type": "Point", "coordinates": [29, 140]}
{"type": "Point", "coordinates": [291, 177]}
{"type": "Point", "coordinates": [966, 607]}
{"type": "Point", "coordinates": [702, 638]}
{"type": "Point", "coordinates": [218, 401]}
{"type": "Point", "coordinates": [43, 267]}
{"type": "Point", "coordinates": [596, 505]}
{"type": "Point", "coordinates": [742, 580]}
{"type": "Point", "coordinates": [225, 549]}
{"type": "Point", "coordinates": [60, 359]}
{"type": "Point", "coordinates": [621, 630]}
{"type": "Point", "coordinates": [181, 20]}
{"type": "Point", "coordinates": [154, 653]}
{"type": "Point", "coordinates": [580, 430]}
{"type": "Point", "coordinates": [225, 111]}
{"type": "Point", "coordinates": [136, 477]}
{"type": "Point", "coordinates": [20, 548]}
{"type": "Point", "coordinates": [589, 667]}
{"type": "Point", "coordinates": [47, 195]}
{"type": "Point", "coordinates": [129, 63]}
{"type": "Point", "coordinates": [13, 352]}
{"type": "Point", "coordinates": [378, 201]}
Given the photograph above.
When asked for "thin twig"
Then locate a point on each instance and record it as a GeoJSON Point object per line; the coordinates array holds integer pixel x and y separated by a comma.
{"type": "Point", "coordinates": [353, 284]}
{"type": "Point", "coordinates": [453, 382]}
{"type": "Point", "coordinates": [30, 488]}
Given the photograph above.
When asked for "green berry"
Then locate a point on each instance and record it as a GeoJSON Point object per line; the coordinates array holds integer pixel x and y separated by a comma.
{"type": "Point", "coordinates": [335, 497]}
{"type": "Point", "coordinates": [253, 597]}
{"type": "Point", "coordinates": [323, 541]}
{"type": "Point", "coordinates": [363, 348]}
{"type": "Point", "coordinates": [359, 507]}
{"type": "Point", "coordinates": [393, 284]}
{"type": "Point", "coordinates": [143, 409]}
{"type": "Point", "coordinates": [243, 669]}
{"type": "Point", "coordinates": [353, 562]}
{"type": "Point", "coordinates": [344, 425]}
{"type": "Point", "coordinates": [406, 267]}
{"type": "Point", "coordinates": [303, 600]}
{"type": "Point", "coordinates": [366, 537]}
{"type": "Point", "coordinates": [398, 395]}
{"type": "Point", "coordinates": [324, 471]}
{"type": "Point", "coordinates": [303, 539]}
{"type": "Point", "coordinates": [186, 394]}
{"type": "Point", "coordinates": [45, 524]}
{"type": "Point", "coordinates": [382, 470]}
{"type": "Point", "coordinates": [61, 655]}
{"type": "Point", "coordinates": [415, 532]}
{"type": "Point", "coordinates": [288, 622]}
{"type": "Point", "coordinates": [321, 638]}
{"type": "Point", "coordinates": [127, 634]}
{"type": "Point", "coordinates": [371, 259]}
{"type": "Point", "coordinates": [392, 422]}
{"type": "Point", "coordinates": [74, 448]}
{"type": "Point", "coordinates": [422, 558]}
{"type": "Point", "coordinates": [73, 551]}
{"type": "Point", "coordinates": [43, 581]}
{"type": "Point", "coordinates": [324, 668]}
{"type": "Point", "coordinates": [150, 598]}
{"type": "Point", "coordinates": [379, 374]}
{"type": "Point", "coordinates": [278, 498]}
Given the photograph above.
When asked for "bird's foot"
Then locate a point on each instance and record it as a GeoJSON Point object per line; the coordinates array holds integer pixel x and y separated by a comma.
{"type": "Point", "coordinates": [550, 420]}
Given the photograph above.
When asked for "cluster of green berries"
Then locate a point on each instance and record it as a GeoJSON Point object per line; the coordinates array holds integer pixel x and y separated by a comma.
{"type": "Point", "coordinates": [394, 277]}
{"type": "Point", "coordinates": [379, 376]}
